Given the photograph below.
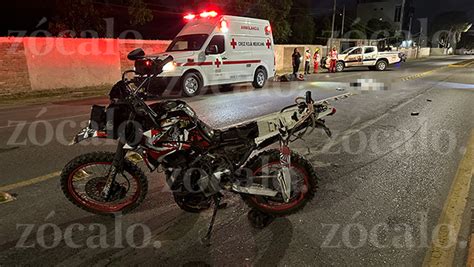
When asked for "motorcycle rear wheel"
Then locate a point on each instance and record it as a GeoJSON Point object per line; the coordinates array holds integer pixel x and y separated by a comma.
{"type": "Point", "coordinates": [83, 178]}
{"type": "Point", "coordinates": [304, 183]}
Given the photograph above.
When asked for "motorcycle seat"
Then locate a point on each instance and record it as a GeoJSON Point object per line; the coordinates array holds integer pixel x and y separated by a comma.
{"type": "Point", "coordinates": [238, 133]}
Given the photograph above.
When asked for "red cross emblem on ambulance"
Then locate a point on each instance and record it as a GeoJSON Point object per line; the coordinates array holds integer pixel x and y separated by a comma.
{"type": "Point", "coordinates": [233, 43]}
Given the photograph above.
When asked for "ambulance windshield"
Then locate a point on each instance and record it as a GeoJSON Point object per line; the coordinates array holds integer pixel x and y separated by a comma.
{"type": "Point", "coordinates": [191, 42]}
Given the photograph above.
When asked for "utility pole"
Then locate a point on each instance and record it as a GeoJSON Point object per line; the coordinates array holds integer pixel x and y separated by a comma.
{"type": "Point", "coordinates": [343, 18]}
{"type": "Point", "coordinates": [333, 21]}
{"type": "Point", "coordinates": [402, 15]}
{"type": "Point", "coordinates": [409, 27]}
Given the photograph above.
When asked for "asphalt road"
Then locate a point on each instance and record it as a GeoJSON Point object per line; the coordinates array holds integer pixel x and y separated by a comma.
{"type": "Point", "coordinates": [384, 178]}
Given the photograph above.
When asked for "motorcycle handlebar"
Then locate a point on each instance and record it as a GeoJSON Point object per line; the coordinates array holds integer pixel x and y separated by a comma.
{"type": "Point", "coordinates": [162, 63]}
{"type": "Point", "coordinates": [309, 100]}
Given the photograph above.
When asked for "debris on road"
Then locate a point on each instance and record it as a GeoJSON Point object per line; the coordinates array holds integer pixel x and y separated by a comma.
{"type": "Point", "coordinates": [356, 84]}
{"type": "Point", "coordinates": [415, 113]}
{"type": "Point", "coordinates": [5, 197]}
{"type": "Point", "coordinates": [429, 100]}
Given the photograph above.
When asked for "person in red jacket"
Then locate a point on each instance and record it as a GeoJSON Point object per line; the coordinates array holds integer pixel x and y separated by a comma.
{"type": "Point", "coordinates": [316, 59]}
{"type": "Point", "coordinates": [333, 58]}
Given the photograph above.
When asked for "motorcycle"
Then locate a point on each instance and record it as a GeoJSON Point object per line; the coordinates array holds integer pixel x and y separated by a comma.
{"type": "Point", "coordinates": [199, 162]}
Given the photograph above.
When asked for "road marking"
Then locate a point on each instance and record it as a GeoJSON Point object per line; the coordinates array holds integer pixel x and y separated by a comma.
{"type": "Point", "coordinates": [462, 64]}
{"type": "Point", "coordinates": [133, 157]}
{"type": "Point", "coordinates": [420, 75]}
{"type": "Point", "coordinates": [29, 182]}
{"type": "Point", "coordinates": [443, 248]}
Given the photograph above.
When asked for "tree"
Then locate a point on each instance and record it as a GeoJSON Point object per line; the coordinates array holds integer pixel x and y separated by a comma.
{"type": "Point", "coordinates": [379, 29]}
{"type": "Point", "coordinates": [276, 11]}
{"type": "Point", "coordinates": [448, 28]}
{"type": "Point", "coordinates": [302, 23]}
{"type": "Point", "coordinates": [139, 13]}
{"type": "Point", "coordinates": [76, 16]}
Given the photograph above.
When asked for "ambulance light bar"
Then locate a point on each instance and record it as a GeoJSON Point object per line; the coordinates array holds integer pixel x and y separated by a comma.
{"type": "Point", "coordinates": [205, 14]}
{"type": "Point", "coordinates": [189, 16]}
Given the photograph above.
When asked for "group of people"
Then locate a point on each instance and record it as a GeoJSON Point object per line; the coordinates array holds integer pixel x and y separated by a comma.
{"type": "Point", "coordinates": [296, 60]}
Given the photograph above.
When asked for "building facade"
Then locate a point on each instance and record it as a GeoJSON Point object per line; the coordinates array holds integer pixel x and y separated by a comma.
{"type": "Point", "coordinates": [397, 12]}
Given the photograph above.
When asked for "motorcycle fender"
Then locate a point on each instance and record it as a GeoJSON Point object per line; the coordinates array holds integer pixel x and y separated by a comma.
{"type": "Point", "coordinates": [87, 133]}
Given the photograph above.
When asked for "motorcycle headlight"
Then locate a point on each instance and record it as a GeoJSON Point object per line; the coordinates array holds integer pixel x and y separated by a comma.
{"type": "Point", "coordinates": [170, 66]}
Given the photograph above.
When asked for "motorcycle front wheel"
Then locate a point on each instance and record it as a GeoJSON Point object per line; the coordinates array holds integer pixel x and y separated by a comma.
{"type": "Point", "coordinates": [84, 177]}
{"type": "Point", "coordinates": [303, 183]}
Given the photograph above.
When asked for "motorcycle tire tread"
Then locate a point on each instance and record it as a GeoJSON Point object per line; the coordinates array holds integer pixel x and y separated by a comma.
{"type": "Point", "coordinates": [129, 166]}
{"type": "Point", "coordinates": [274, 155]}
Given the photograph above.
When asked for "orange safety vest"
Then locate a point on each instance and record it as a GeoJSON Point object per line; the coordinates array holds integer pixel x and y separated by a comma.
{"type": "Point", "coordinates": [333, 55]}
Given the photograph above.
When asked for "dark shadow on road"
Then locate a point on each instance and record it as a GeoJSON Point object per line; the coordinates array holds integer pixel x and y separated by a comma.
{"type": "Point", "coordinates": [282, 234]}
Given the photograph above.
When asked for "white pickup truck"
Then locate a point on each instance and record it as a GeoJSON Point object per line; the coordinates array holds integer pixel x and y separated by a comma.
{"type": "Point", "coordinates": [364, 56]}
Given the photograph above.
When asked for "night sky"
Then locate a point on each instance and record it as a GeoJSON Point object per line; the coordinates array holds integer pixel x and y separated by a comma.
{"type": "Point", "coordinates": [25, 14]}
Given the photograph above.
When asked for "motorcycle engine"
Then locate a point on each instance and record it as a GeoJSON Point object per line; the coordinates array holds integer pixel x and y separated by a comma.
{"type": "Point", "coordinates": [194, 185]}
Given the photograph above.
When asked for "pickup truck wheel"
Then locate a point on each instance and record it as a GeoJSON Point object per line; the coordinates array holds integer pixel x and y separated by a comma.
{"type": "Point", "coordinates": [260, 78]}
{"type": "Point", "coordinates": [191, 84]}
{"type": "Point", "coordinates": [339, 66]}
{"type": "Point", "coordinates": [381, 65]}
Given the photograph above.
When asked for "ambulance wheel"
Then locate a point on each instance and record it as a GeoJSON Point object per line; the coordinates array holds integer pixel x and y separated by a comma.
{"type": "Point", "coordinates": [191, 84]}
{"type": "Point", "coordinates": [260, 78]}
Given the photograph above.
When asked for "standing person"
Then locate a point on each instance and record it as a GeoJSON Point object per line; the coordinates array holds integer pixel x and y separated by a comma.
{"type": "Point", "coordinates": [296, 61]}
{"type": "Point", "coordinates": [316, 59]}
{"type": "Point", "coordinates": [333, 57]}
{"type": "Point", "coordinates": [307, 61]}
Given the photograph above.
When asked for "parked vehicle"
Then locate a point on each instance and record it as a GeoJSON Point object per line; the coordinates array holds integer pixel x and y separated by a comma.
{"type": "Point", "coordinates": [364, 56]}
{"type": "Point", "coordinates": [469, 52]}
{"type": "Point", "coordinates": [215, 49]}
{"type": "Point", "coordinates": [198, 161]}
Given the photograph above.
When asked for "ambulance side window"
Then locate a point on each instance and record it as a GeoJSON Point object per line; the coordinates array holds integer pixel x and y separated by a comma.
{"type": "Point", "coordinates": [219, 41]}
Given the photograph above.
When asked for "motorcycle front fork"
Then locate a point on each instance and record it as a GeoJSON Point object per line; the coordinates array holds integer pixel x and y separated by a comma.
{"type": "Point", "coordinates": [117, 163]}
{"type": "Point", "coordinates": [117, 167]}
{"type": "Point", "coordinates": [284, 175]}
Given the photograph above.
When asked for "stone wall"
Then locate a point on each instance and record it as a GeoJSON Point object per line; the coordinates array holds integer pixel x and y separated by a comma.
{"type": "Point", "coordinates": [13, 67]}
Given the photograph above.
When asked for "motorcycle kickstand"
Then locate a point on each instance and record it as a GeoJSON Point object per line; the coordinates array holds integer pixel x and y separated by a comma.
{"type": "Point", "coordinates": [217, 199]}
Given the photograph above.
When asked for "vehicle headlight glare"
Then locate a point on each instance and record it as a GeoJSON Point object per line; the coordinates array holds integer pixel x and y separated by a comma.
{"type": "Point", "coordinates": [170, 66]}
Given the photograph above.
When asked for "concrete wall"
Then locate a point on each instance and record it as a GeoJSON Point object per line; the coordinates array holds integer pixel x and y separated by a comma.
{"type": "Point", "coordinates": [438, 52]}
{"type": "Point", "coordinates": [150, 46]}
{"type": "Point", "coordinates": [51, 63]}
{"type": "Point", "coordinates": [424, 52]}
{"type": "Point", "coordinates": [283, 55]}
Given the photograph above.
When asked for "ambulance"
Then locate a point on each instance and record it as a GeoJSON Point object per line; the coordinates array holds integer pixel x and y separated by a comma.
{"type": "Point", "coordinates": [220, 50]}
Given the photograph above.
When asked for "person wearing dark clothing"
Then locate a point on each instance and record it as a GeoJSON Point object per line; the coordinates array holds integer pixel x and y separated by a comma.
{"type": "Point", "coordinates": [296, 61]}
{"type": "Point", "coordinates": [307, 61]}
